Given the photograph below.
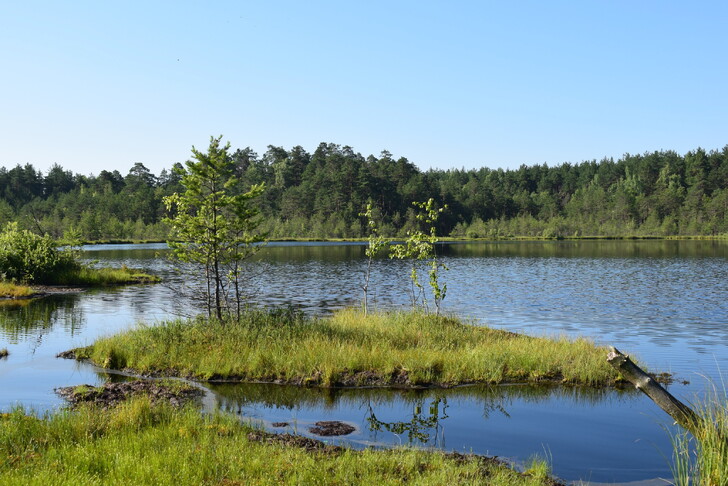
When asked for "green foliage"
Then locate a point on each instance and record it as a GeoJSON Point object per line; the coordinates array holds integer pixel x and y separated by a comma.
{"type": "Point", "coordinates": [28, 258]}
{"type": "Point", "coordinates": [214, 224]}
{"type": "Point", "coordinates": [419, 247]}
{"type": "Point", "coordinates": [320, 195]}
{"type": "Point", "coordinates": [376, 245]}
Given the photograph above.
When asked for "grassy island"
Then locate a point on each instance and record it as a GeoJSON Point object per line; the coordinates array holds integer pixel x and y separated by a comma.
{"type": "Point", "coordinates": [80, 277]}
{"type": "Point", "coordinates": [140, 443]}
{"type": "Point", "coordinates": [406, 349]}
{"type": "Point", "coordinates": [29, 261]}
{"type": "Point", "coordinates": [101, 277]}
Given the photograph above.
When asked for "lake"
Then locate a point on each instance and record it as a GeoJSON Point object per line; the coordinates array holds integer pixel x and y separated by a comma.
{"type": "Point", "coordinates": [665, 302]}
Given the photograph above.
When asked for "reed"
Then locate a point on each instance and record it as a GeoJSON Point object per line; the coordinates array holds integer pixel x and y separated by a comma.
{"type": "Point", "coordinates": [137, 443]}
{"type": "Point", "coordinates": [351, 349]}
{"type": "Point", "coordinates": [703, 458]}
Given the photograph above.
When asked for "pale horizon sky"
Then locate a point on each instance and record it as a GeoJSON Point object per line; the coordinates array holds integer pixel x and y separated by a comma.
{"type": "Point", "coordinates": [101, 85]}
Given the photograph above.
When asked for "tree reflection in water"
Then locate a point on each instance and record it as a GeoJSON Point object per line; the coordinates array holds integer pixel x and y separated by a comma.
{"type": "Point", "coordinates": [32, 319]}
{"type": "Point", "coordinates": [421, 427]}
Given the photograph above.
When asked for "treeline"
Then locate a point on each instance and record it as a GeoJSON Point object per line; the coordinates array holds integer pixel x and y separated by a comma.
{"type": "Point", "coordinates": [322, 194]}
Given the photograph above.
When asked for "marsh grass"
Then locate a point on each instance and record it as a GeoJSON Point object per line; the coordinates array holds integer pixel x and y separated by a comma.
{"type": "Point", "coordinates": [14, 291]}
{"type": "Point", "coordinates": [703, 458]}
{"type": "Point", "coordinates": [351, 349]}
{"type": "Point", "coordinates": [137, 443]}
{"type": "Point", "coordinates": [99, 277]}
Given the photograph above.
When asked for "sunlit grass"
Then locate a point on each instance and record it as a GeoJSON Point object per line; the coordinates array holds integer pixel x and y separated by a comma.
{"type": "Point", "coordinates": [137, 443]}
{"type": "Point", "coordinates": [703, 458]}
{"type": "Point", "coordinates": [14, 291]}
{"type": "Point", "coordinates": [399, 348]}
{"type": "Point", "coordinates": [99, 277]}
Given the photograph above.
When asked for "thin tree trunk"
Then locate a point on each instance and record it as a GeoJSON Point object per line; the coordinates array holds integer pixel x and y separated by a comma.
{"type": "Point", "coordinates": [366, 286]}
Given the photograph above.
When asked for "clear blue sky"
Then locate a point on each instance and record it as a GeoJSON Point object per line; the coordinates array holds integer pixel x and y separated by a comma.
{"type": "Point", "coordinates": [96, 85]}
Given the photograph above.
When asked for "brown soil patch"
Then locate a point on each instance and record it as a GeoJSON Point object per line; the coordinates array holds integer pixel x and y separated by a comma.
{"type": "Point", "coordinates": [329, 428]}
{"type": "Point", "coordinates": [111, 394]}
{"type": "Point", "coordinates": [67, 354]}
{"type": "Point", "coordinates": [309, 445]}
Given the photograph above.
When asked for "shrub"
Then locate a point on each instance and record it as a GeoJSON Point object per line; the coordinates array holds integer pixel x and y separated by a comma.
{"type": "Point", "coordinates": [29, 258]}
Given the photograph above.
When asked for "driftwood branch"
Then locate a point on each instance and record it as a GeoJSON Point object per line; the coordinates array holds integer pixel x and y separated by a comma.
{"type": "Point", "coordinates": [682, 414]}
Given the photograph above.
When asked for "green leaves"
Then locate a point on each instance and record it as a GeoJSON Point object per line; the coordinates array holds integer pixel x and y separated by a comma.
{"type": "Point", "coordinates": [214, 224]}
{"type": "Point", "coordinates": [419, 247]}
{"type": "Point", "coordinates": [29, 258]}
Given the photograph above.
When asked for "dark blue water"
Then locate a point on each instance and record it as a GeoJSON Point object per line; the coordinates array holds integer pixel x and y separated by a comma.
{"type": "Point", "coordinates": [664, 301]}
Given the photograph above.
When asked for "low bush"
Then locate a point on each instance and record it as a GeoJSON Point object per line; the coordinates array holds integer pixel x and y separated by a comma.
{"type": "Point", "coordinates": [29, 258]}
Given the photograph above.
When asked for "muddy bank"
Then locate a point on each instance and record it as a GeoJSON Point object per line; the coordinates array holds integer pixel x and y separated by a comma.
{"type": "Point", "coordinates": [313, 445]}
{"type": "Point", "coordinates": [306, 443]}
{"type": "Point", "coordinates": [331, 428]}
{"type": "Point", "coordinates": [398, 379]}
{"type": "Point", "coordinates": [111, 394]}
{"type": "Point", "coordinates": [40, 291]}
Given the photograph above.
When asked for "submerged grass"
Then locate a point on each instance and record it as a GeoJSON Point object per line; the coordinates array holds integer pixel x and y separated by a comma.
{"type": "Point", "coordinates": [137, 443]}
{"type": "Point", "coordinates": [350, 349]}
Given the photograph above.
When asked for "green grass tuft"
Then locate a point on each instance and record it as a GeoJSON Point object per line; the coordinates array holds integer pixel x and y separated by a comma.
{"type": "Point", "coordinates": [703, 459]}
{"type": "Point", "coordinates": [350, 349]}
{"type": "Point", "coordinates": [14, 291]}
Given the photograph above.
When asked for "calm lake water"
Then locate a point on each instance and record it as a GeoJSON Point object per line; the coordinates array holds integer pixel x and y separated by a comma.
{"type": "Point", "coordinates": [664, 301]}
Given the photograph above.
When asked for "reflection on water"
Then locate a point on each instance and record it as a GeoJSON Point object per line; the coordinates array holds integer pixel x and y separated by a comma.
{"type": "Point", "coordinates": [415, 417]}
{"type": "Point", "coordinates": [421, 429]}
{"type": "Point", "coordinates": [31, 319]}
{"type": "Point", "coordinates": [662, 300]}
{"type": "Point", "coordinates": [577, 425]}
{"type": "Point", "coordinates": [591, 249]}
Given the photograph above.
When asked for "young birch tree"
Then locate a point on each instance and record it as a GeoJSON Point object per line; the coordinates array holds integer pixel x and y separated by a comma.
{"type": "Point", "coordinates": [377, 243]}
{"type": "Point", "coordinates": [419, 248]}
{"type": "Point", "coordinates": [214, 225]}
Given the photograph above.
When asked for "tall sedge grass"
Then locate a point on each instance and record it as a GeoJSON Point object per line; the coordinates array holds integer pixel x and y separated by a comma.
{"type": "Point", "coordinates": [703, 458]}
{"type": "Point", "coordinates": [350, 348]}
{"type": "Point", "coordinates": [137, 443]}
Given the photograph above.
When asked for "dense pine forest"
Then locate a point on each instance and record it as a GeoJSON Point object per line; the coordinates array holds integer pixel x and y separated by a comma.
{"type": "Point", "coordinates": [321, 195]}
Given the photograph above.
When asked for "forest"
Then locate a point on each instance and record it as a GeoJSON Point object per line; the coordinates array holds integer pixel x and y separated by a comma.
{"type": "Point", "coordinates": [322, 195]}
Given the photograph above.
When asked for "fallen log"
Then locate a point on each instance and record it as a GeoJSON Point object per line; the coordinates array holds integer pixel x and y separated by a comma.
{"type": "Point", "coordinates": [682, 414]}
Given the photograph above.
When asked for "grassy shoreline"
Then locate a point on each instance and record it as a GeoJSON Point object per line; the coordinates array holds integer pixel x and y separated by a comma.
{"type": "Point", "coordinates": [348, 349]}
{"type": "Point", "coordinates": [83, 277]}
{"type": "Point", "coordinates": [10, 290]}
{"type": "Point", "coordinates": [103, 277]}
{"type": "Point", "coordinates": [140, 443]}
{"type": "Point", "coordinates": [450, 239]}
